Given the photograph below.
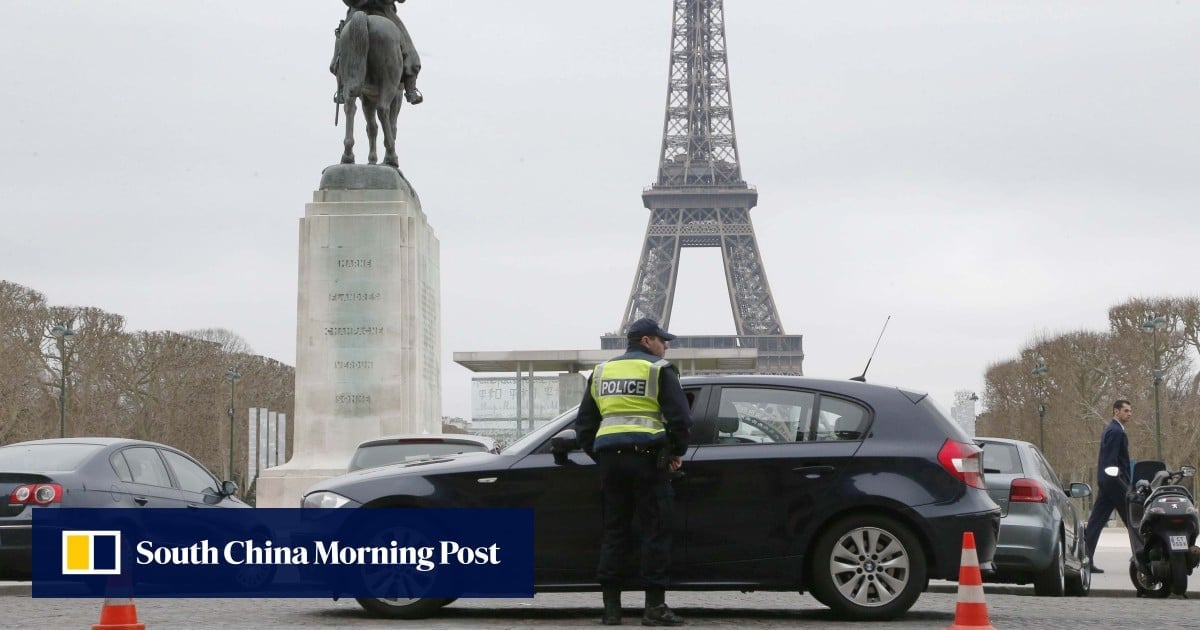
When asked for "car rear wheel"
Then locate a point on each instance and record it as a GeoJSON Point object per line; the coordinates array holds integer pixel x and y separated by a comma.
{"type": "Point", "coordinates": [868, 567]}
{"type": "Point", "coordinates": [1051, 581]}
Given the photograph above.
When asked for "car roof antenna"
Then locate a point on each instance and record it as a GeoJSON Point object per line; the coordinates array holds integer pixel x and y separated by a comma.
{"type": "Point", "coordinates": [862, 378]}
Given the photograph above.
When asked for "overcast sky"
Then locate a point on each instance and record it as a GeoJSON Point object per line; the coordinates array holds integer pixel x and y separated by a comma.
{"type": "Point", "coordinates": [982, 172]}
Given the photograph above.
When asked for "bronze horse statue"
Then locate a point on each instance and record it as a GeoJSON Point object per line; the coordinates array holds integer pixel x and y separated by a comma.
{"type": "Point", "coordinates": [369, 66]}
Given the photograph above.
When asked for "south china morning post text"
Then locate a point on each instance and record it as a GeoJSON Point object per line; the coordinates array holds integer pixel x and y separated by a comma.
{"type": "Point", "coordinates": [321, 552]}
{"type": "Point", "coordinates": [286, 552]}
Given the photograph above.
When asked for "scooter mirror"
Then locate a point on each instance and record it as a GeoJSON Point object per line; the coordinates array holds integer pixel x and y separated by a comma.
{"type": "Point", "coordinates": [1112, 471]}
{"type": "Point", "coordinates": [1188, 471]}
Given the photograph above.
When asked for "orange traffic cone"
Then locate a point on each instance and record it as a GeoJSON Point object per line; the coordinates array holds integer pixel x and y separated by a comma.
{"type": "Point", "coordinates": [118, 613]}
{"type": "Point", "coordinates": [971, 611]}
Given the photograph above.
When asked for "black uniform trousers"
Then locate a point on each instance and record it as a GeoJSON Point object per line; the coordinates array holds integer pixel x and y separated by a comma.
{"type": "Point", "coordinates": [1111, 497]}
{"type": "Point", "coordinates": [631, 485]}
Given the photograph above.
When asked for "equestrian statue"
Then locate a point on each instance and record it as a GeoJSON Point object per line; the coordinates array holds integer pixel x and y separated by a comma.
{"type": "Point", "coordinates": [375, 62]}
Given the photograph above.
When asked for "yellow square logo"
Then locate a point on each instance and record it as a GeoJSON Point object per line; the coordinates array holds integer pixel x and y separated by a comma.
{"type": "Point", "coordinates": [91, 552]}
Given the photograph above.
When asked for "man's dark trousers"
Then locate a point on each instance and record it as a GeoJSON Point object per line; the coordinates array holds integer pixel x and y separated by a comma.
{"type": "Point", "coordinates": [632, 485]}
{"type": "Point", "coordinates": [1111, 497]}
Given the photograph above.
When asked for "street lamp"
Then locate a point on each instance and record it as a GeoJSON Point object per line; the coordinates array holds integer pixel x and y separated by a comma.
{"type": "Point", "coordinates": [1153, 325]}
{"type": "Point", "coordinates": [60, 332]}
{"type": "Point", "coordinates": [232, 375]}
{"type": "Point", "coordinates": [1040, 372]}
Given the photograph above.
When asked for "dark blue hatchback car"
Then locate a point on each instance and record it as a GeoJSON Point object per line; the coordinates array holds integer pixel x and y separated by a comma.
{"type": "Point", "coordinates": [857, 493]}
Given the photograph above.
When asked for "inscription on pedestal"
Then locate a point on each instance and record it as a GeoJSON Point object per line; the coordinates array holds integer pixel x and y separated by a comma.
{"type": "Point", "coordinates": [353, 365]}
{"type": "Point", "coordinates": [352, 331]}
{"type": "Point", "coordinates": [351, 399]}
{"type": "Point", "coordinates": [359, 296]}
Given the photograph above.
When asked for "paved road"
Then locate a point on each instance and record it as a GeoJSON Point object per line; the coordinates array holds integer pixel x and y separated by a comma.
{"type": "Point", "coordinates": [1111, 606]}
{"type": "Point", "coordinates": [754, 610]}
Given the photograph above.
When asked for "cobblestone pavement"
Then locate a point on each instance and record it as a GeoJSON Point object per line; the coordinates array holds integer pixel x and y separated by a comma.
{"type": "Point", "coordinates": [752, 610]}
{"type": "Point", "coordinates": [1112, 606]}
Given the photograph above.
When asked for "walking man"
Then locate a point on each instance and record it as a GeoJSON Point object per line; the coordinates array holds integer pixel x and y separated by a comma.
{"type": "Point", "coordinates": [634, 421]}
{"type": "Point", "coordinates": [1114, 451]}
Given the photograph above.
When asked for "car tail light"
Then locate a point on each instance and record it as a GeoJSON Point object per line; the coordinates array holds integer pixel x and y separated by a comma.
{"type": "Point", "coordinates": [964, 461]}
{"type": "Point", "coordinates": [36, 494]}
{"type": "Point", "coordinates": [1024, 490]}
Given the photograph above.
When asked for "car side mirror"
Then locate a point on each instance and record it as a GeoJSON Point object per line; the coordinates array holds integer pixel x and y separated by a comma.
{"type": "Point", "coordinates": [1112, 471]}
{"type": "Point", "coordinates": [562, 443]}
{"type": "Point", "coordinates": [1078, 490]}
{"type": "Point", "coordinates": [228, 488]}
{"type": "Point", "coordinates": [1188, 471]}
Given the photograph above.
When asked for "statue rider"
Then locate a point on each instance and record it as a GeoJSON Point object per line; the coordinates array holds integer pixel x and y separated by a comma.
{"type": "Point", "coordinates": [412, 61]}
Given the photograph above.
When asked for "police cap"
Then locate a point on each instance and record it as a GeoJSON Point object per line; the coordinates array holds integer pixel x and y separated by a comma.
{"type": "Point", "coordinates": [646, 326]}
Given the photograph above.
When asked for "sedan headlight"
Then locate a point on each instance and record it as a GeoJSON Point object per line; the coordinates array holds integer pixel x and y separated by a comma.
{"type": "Point", "coordinates": [327, 500]}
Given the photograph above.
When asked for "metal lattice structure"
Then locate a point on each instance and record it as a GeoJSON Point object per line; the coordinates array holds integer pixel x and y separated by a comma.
{"type": "Point", "coordinates": [700, 198]}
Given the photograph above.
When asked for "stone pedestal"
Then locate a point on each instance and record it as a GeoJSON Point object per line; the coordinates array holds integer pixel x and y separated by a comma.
{"type": "Point", "coordinates": [368, 343]}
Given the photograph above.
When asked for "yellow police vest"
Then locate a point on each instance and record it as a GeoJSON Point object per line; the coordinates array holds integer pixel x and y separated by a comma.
{"type": "Point", "coordinates": [626, 393]}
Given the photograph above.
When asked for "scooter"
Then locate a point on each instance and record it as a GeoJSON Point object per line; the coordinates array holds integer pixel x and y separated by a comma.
{"type": "Point", "coordinates": [1163, 526]}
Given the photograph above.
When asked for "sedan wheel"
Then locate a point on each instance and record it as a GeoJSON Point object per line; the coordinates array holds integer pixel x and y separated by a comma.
{"type": "Point", "coordinates": [394, 608]}
{"type": "Point", "coordinates": [383, 579]}
{"type": "Point", "coordinates": [868, 567]}
{"type": "Point", "coordinates": [1080, 583]}
{"type": "Point", "coordinates": [1052, 580]}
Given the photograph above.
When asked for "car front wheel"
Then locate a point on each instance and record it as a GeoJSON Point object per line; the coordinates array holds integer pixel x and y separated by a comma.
{"type": "Point", "coordinates": [394, 608]}
{"type": "Point", "coordinates": [868, 567]}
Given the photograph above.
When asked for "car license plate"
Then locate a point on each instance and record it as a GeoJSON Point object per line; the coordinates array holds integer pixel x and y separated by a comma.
{"type": "Point", "coordinates": [1179, 543]}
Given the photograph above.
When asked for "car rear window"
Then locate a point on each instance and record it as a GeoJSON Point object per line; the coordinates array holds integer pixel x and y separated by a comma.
{"type": "Point", "coordinates": [384, 454]}
{"type": "Point", "coordinates": [1001, 458]}
{"type": "Point", "coordinates": [942, 419]}
{"type": "Point", "coordinates": [45, 457]}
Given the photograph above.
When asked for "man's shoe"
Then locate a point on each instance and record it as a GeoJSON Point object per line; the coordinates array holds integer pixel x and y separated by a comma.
{"type": "Point", "coordinates": [661, 615]}
{"type": "Point", "coordinates": [1096, 570]}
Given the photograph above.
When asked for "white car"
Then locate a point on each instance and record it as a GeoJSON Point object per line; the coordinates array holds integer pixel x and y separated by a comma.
{"type": "Point", "coordinates": [397, 449]}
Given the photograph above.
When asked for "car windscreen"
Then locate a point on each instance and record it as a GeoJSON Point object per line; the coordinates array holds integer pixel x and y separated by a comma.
{"type": "Point", "coordinates": [1001, 458]}
{"type": "Point", "coordinates": [384, 454]}
{"type": "Point", "coordinates": [45, 457]}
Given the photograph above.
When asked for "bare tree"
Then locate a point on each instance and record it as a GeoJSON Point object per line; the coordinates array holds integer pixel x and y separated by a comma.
{"type": "Point", "coordinates": [1087, 370]}
{"type": "Point", "coordinates": [228, 340]}
{"type": "Point", "coordinates": [160, 386]}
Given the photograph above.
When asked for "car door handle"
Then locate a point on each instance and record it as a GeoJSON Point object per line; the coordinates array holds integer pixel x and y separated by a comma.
{"type": "Point", "coordinates": [139, 500]}
{"type": "Point", "coordinates": [812, 472]}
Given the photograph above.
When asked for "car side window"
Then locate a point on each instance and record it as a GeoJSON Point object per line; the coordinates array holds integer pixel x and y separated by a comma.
{"type": "Point", "coordinates": [840, 419]}
{"type": "Point", "coordinates": [121, 467]}
{"type": "Point", "coordinates": [751, 415]}
{"type": "Point", "coordinates": [146, 467]}
{"type": "Point", "coordinates": [191, 476]}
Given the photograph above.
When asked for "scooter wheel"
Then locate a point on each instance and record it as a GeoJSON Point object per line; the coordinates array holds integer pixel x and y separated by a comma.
{"type": "Point", "coordinates": [1146, 584]}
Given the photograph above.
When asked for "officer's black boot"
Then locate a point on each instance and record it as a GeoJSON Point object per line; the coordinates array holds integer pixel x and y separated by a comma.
{"type": "Point", "coordinates": [657, 613]}
{"type": "Point", "coordinates": [612, 607]}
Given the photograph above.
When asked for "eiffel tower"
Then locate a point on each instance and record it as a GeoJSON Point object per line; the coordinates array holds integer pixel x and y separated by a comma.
{"type": "Point", "coordinates": [701, 200]}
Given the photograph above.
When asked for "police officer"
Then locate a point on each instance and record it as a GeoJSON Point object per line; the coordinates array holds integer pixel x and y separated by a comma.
{"type": "Point", "coordinates": [634, 422]}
